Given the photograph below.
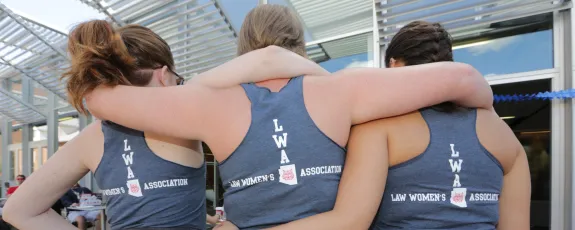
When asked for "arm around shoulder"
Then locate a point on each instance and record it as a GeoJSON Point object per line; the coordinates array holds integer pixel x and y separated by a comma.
{"type": "Point", "coordinates": [259, 65]}
{"type": "Point", "coordinates": [372, 93]}
{"type": "Point", "coordinates": [177, 111]}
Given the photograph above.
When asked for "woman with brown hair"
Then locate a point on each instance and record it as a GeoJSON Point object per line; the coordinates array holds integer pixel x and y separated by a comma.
{"type": "Point", "coordinates": [151, 180]}
{"type": "Point", "coordinates": [449, 167]}
{"type": "Point", "coordinates": [280, 143]}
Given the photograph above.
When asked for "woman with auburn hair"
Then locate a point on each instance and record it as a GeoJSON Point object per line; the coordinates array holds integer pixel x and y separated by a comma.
{"type": "Point", "coordinates": [280, 143]}
{"type": "Point", "coordinates": [152, 180]}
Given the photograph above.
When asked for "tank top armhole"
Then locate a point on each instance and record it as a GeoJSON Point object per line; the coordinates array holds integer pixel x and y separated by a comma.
{"type": "Point", "coordinates": [412, 160]}
{"type": "Point", "coordinates": [308, 116]}
{"type": "Point", "coordinates": [103, 153]}
{"type": "Point", "coordinates": [483, 149]}
{"type": "Point", "coordinates": [245, 87]}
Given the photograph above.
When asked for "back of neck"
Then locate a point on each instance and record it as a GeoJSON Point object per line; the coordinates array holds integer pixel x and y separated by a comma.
{"type": "Point", "coordinates": [274, 85]}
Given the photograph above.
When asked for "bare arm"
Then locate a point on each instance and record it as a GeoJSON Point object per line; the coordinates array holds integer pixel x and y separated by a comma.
{"type": "Point", "coordinates": [370, 93]}
{"type": "Point", "coordinates": [264, 64]}
{"type": "Point", "coordinates": [30, 206]}
{"type": "Point", "coordinates": [173, 110]}
{"type": "Point", "coordinates": [515, 199]}
{"type": "Point", "coordinates": [177, 111]}
{"type": "Point", "coordinates": [361, 187]}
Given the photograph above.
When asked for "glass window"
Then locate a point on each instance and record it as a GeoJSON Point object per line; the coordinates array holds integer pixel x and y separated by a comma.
{"type": "Point", "coordinates": [513, 54]}
{"type": "Point", "coordinates": [358, 60]}
{"type": "Point", "coordinates": [354, 51]}
{"type": "Point", "coordinates": [518, 45]}
{"type": "Point", "coordinates": [531, 123]}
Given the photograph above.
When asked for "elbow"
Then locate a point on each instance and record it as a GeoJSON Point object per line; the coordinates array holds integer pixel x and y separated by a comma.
{"type": "Point", "coordinates": [269, 53]}
{"type": "Point", "coordinates": [474, 87]}
{"type": "Point", "coordinates": [10, 213]}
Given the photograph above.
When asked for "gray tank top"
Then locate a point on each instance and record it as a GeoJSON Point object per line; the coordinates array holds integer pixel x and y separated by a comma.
{"type": "Point", "coordinates": [144, 190]}
{"type": "Point", "coordinates": [454, 184]}
{"type": "Point", "coordinates": [285, 168]}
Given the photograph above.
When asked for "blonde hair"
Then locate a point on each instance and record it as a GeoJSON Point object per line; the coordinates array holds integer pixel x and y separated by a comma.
{"type": "Point", "coordinates": [268, 25]}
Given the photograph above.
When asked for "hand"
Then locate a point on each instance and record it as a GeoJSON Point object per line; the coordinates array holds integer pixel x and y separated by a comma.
{"type": "Point", "coordinates": [74, 205]}
{"type": "Point", "coordinates": [226, 225]}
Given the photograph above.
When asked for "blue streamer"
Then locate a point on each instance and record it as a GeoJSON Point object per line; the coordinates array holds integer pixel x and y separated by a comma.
{"type": "Point", "coordinates": [556, 95]}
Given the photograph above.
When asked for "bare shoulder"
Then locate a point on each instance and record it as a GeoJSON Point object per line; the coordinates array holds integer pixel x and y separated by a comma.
{"type": "Point", "coordinates": [88, 146]}
{"type": "Point", "coordinates": [498, 138]}
{"type": "Point", "coordinates": [92, 134]}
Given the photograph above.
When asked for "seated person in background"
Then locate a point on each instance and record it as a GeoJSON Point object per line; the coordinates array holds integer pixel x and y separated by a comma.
{"type": "Point", "coordinates": [11, 190]}
{"type": "Point", "coordinates": [72, 199]}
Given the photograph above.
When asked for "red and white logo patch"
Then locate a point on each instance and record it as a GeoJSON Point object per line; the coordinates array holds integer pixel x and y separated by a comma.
{"type": "Point", "coordinates": [134, 188]}
{"type": "Point", "coordinates": [458, 197]}
{"type": "Point", "coordinates": [288, 175]}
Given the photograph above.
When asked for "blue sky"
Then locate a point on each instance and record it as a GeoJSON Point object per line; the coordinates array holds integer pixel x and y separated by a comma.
{"type": "Point", "coordinates": [521, 53]}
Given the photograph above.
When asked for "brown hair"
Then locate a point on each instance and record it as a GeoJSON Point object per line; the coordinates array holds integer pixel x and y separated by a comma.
{"type": "Point", "coordinates": [101, 54]}
{"type": "Point", "coordinates": [268, 25]}
{"type": "Point", "coordinates": [421, 42]}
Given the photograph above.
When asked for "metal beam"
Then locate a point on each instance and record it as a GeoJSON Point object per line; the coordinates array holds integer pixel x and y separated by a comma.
{"type": "Point", "coordinates": [27, 133]}
{"type": "Point", "coordinates": [341, 36]}
{"type": "Point", "coordinates": [563, 19]}
{"type": "Point", "coordinates": [86, 181]}
{"type": "Point", "coordinates": [224, 14]}
{"type": "Point", "coordinates": [375, 38]}
{"type": "Point", "coordinates": [6, 62]}
{"type": "Point", "coordinates": [52, 123]}
{"type": "Point", "coordinates": [6, 141]}
{"type": "Point", "coordinates": [25, 104]}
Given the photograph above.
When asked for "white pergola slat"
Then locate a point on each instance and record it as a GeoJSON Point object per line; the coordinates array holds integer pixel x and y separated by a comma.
{"type": "Point", "coordinates": [29, 50]}
{"type": "Point", "coordinates": [457, 16]}
{"type": "Point", "coordinates": [198, 32]}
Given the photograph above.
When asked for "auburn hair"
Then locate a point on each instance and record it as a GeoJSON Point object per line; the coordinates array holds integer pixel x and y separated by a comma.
{"type": "Point", "coordinates": [102, 55]}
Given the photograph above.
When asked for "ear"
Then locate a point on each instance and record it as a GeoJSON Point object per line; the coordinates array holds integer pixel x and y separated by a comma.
{"type": "Point", "coordinates": [392, 62]}
{"type": "Point", "coordinates": [162, 76]}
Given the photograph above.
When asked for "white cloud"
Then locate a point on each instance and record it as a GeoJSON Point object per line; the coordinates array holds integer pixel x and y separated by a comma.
{"type": "Point", "coordinates": [492, 45]}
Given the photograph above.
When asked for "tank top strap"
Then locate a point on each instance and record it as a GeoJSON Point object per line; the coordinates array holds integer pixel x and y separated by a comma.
{"type": "Point", "coordinates": [291, 91]}
{"type": "Point", "coordinates": [111, 129]}
{"type": "Point", "coordinates": [459, 123]}
{"type": "Point", "coordinates": [253, 92]}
